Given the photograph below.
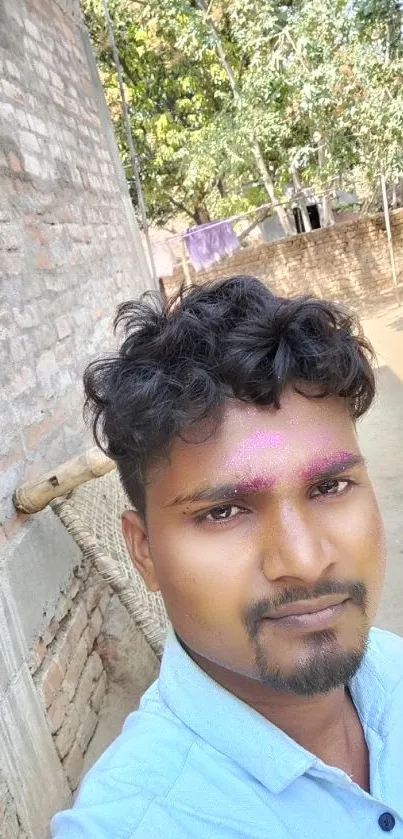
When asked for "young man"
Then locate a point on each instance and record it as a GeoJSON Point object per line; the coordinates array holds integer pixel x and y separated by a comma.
{"type": "Point", "coordinates": [278, 711]}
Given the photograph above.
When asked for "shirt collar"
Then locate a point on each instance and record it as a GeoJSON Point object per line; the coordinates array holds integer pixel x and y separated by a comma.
{"type": "Point", "coordinates": [233, 728]}
{"type": "Point", "coordinates": [228, 724]}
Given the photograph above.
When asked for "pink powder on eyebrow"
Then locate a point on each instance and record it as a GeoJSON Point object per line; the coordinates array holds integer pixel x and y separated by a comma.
{"type": "Point", "coordinates": [258, 441]}
{"type": "Point", "coordinates": [256, 484]}
{"type": "Point", "coordinates": [321, 463]}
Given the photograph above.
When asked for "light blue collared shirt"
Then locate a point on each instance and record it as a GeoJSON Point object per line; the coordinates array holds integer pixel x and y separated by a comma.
{"type": "Point", "coordinates": [194, 762]}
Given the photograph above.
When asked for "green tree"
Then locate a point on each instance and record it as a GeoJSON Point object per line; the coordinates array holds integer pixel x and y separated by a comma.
{"type": "Point", "coordinates": [175, 102]}
{"type": "Point", "coordinates": [235, 100]}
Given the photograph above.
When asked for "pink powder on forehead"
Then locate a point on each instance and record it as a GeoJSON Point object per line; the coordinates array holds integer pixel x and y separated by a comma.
{"type": "Point", "coordinates": [255, 443]}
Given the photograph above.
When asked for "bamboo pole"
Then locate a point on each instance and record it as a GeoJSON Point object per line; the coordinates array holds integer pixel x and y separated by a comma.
{"type": "Point", "coordinates": [36, 495]}
{"type": "Point", "coordinates": [389, 235]}
{"type": "Point", "coordinates": [185, 266]}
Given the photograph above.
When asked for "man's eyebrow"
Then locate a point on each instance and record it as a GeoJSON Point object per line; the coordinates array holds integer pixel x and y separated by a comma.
{"type": "Point", "coordinates": [221, 492]}
{"type": "Point", "coordinates": [323, 468]}
{"type": "Point", "coordinates": [328, 466]}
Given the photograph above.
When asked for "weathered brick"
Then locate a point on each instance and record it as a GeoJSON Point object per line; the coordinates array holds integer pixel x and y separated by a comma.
{"type": "Point", "coordinates": [75, 668]}
{"type": "Point", "coordinates": [74, 588]}
{"type": "Point", "coordinates": [68, 731]}
{"type": "Point", "coordinates": [11, 90]}
{"type": "Point", "coordinates": [99, 692]}
{"type": "Point", "coordinates": [3, 537]}
{"type": "Point", "coordinates": [43, 261]}
{"type": "Point", "coordinates": [29, 143]}
{"type": "Point", "coordinates": [63, 607]}
{"type": "Point", "coordinates": [37, 656]}
{"type": "Point", "coordinates": [70, 635]}
{"type": "Point", "coordinates": [23, 380]}
{"type": "Point", "coordinates": [41, 70]}
{"type": "Point", "coordinates": [63, 327]}
{"type": "Point", "coordinates": [48, 373]}
{"type": "Point", "coordinates": [73, 766]}
{"type": "Point", "coordinates": [104, 601]}
{"type": "Point", "coordinates": [90, 676]}
{"type": "Point", "coordinates": [13, 70]}
{"type": "Point", "coordinates": [33, 165]}
{"type": "Point", "coordinates": [50, 632]}
{"type": "Point", "coordinates": [48, 680]}
{"type": "Point", "coordinates": [14, 162]}
{"type": "Point", "coordinates": [66, 735]}
{"type": "Point", "coordinates": [87, 728]}
{"type": "Point", "coordinates": [93, 628]}
{"type": "Point", "coordinates": [32, 30]}
{"type": "Point", "coordinates": [57, 711]}
{"type": "Point", "coordinates": [13, 525]}
{"type": "Point", "coordinates": [11, 263]}
{"type": "Point", "coordinates": [45, 336]}
{"type": "Point", "coordinates": [33, 435]}
{"type": "Point", "coordinates": [94, 589]}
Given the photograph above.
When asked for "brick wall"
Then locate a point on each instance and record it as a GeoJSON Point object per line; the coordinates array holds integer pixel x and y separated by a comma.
{"type": "Point", "coordinates": [349, 263]}
{"type": "Point", "coordinates": [68, 672]}
{"type": "Point", "coordinates": [69, 246]}
{"type": "Point", "coordinates": [70, 250]}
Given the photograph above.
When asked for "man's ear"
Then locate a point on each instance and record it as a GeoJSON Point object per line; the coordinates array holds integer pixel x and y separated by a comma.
{"type": "Point", "coordinates": [135, 533]}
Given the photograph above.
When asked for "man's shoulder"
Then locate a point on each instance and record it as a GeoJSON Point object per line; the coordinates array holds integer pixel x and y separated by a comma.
{"type": "Point", "coordinates": [140, 766]}
{"type": "Point", "coordinates": [385, 657]}
{"type": "Point", "coordinates": [386, 643]}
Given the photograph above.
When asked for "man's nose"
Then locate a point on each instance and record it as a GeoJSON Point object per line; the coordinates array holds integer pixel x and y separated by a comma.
{"type": "Point", "coordinates": [295, 546]}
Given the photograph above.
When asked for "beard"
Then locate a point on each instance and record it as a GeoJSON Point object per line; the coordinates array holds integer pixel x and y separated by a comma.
{"type": "Point", "coordinates": [323, 665]}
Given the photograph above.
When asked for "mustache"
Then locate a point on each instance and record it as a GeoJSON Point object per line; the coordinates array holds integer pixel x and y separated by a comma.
{"type": "Point", "coordinates": [355, 590]}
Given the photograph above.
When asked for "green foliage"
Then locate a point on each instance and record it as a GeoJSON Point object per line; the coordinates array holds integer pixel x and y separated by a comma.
{"type": "Point", "coordinates": [320, 89]}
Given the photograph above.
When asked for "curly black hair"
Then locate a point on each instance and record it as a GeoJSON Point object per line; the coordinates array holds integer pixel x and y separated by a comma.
{"type": "Point", "coordinates": [182, 360]}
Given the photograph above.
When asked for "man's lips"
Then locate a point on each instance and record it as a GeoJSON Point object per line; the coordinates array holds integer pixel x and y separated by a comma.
{"type": "Point", "coordinates": [309, 615]}
{"type": "Point", "coordinates": [307, 607]}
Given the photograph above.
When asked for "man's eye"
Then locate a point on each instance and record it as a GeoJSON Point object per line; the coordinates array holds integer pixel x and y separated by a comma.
{"type": "Point", "coordinates": [334, 487]}
{"type": "Point", "coordinates": [222, 513]}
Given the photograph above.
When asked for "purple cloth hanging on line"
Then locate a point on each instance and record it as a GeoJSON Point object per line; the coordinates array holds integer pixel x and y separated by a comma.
{"type": "Point", "coordinates": [209, 243]}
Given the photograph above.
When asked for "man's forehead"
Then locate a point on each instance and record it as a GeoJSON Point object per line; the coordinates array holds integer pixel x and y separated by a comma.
{"type": "Point", "coordinates": [257, 445]}
{"type": "Point", "coordinates": [245, 431]}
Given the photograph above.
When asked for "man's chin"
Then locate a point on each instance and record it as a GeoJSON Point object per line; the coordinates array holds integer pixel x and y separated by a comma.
{"type": "Point", "coordinates": [321, 667]}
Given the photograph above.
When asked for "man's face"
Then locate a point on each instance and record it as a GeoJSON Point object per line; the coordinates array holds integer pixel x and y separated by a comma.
{"type": "Point", "coordinates": [272, 513]}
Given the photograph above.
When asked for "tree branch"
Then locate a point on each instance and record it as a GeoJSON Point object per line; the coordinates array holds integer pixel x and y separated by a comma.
{"type": "Point", "coordinates": [180, 206]}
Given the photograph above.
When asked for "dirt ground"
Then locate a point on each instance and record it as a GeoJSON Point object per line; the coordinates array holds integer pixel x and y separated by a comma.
{"type": "Point", "coordinates": [381, 433]}
{"type": "Point", "coordinates": [381, 439]}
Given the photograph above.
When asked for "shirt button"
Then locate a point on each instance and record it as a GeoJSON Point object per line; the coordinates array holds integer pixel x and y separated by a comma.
{"type": "Point", "coordinates": [386, 822]}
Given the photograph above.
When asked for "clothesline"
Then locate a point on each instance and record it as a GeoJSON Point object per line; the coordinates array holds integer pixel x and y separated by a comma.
{"type": "Point", "coordinates": [270, 206]}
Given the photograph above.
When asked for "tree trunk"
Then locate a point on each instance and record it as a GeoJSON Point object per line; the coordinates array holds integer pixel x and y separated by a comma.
{"type": "Point", "coordinates": [301, 199]}
{"type": "Point", "coordinates": [221, 187]}
{"type": "Point", "coordinates": [328, 217]}
{"type": "Point", "coordinates": [257, 154]}
{"type": "Point", "coordinates": [269, 186]}
{"type": "Point", "coordinates": [201, 214]}
{"type": "Point", "coordinates": [394, 197]}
